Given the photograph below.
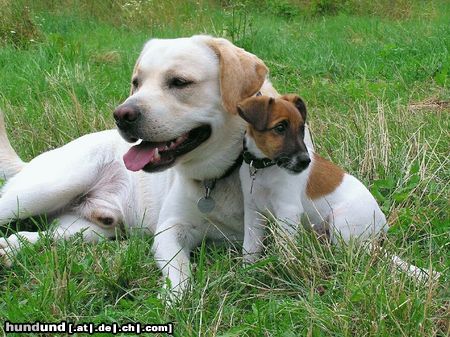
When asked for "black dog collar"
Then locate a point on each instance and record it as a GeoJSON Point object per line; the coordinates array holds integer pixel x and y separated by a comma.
{"type": "Point", "coordinates": [206, 204]}
{"type": "Point", "coordinates": [255, 162]}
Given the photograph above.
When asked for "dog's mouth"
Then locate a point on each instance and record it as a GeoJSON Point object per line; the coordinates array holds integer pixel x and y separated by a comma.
{"type": "Point", "coordinates": [294, 169]}
{"type": "Point", "coordinates": [158, 156]}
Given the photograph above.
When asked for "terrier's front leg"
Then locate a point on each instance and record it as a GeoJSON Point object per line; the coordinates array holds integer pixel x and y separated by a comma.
{"type": "Point", "coordinates": [253, 235]}
{"type": "Point", "coordinates": [288, 217]}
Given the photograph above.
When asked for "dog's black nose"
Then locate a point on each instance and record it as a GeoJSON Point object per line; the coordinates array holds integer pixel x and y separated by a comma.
{"type": "Point", "coordinates": [304, 159]}
{"type": "Point", "coordinates": [295, 162]}
{"type": "Point", "coordinates": [302, 162]}
{"type": "Point", "coordinates": [126, 113]}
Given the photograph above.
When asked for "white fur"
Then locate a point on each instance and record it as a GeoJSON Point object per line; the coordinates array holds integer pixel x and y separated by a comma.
{"type": "Point", "coordinates": [87, 178]}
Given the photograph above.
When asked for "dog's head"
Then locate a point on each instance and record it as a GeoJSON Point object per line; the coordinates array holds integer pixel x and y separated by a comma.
{"type": "Point", "coordinates": [277, 126]}
{"type": "Point", "coordinates": [183, 93]}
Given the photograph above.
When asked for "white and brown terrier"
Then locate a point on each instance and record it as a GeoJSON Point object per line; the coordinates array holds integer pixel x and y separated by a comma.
{"type": "Point", "coordinates": [296, 182]}
{"type": "Point", "coordinates": [284, 178]}
{"type": "Point", "coordinates": [281, 177]}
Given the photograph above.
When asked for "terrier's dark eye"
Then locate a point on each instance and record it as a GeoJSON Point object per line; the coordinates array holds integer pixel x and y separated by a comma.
{"type": "Point", "coordinates": [135, 83]}
{"type": "Point", "coordinates": [179, 82]}
{"type": "Point", "coordinates": [280, 128]}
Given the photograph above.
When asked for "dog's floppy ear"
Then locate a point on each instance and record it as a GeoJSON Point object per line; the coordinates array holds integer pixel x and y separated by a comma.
{"type": "Point", "coordinates": [241, 74]}
{"type": "Point", "coordinates": [255, 111]}
{"type": "Point", "coordinates": [298, 102]}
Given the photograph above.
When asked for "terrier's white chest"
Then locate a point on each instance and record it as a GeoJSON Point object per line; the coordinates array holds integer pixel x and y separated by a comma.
{"type": "Point", "coordinates": [272, 190]}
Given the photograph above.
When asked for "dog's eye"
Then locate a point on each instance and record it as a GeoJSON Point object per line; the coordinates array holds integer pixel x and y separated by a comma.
{"type": "Point", "coordinates": [135, 83]}
{"type": "Point", "coordinates": [179, 82]}
{"type": "Point", "coordinates": [280, 128]}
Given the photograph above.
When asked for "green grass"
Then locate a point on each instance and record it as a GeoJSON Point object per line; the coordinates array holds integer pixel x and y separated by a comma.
{"type": "Point", "coordinates": [377, 88]}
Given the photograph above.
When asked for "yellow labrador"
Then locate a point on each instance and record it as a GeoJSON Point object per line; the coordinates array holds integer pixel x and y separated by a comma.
{"type": "Point", "coordinates": [178, 181]}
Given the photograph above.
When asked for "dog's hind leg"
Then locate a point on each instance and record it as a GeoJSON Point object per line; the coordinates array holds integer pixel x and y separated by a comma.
{"type": "Point", "coordinates": [345, 229]}
{"type": "Point", "coordinates": [69, 225]}
{"type": "Point", "coordinates": [36, 200]}
{"type": "Point", "coordinates": [40, 190]}
{"type": "Point", "coordinates": [10, 163]}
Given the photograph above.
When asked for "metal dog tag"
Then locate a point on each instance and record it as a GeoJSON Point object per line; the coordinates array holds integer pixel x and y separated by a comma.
{"type": "Point", "coordinates": [206, 204]}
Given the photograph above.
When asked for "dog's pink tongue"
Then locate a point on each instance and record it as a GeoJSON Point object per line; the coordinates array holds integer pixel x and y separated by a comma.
{"type": "Point", "coordinates": [138, 156]}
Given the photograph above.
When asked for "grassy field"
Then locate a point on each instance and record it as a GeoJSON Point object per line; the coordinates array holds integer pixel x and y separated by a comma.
{"type": "Point", "coordinates": [376, 80]}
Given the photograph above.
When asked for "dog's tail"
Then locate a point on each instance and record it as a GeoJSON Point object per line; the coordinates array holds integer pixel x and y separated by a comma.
{"type": "Point", "coordinates": [414, 272]}
{"type": "Point", "coordinates": [10, 163]}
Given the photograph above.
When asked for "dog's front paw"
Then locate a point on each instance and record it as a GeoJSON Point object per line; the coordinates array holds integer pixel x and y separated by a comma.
{"type": "Point", "coordinates": [8, 249]}
{"type": "Point", "coordinates": [250, 258]}
{"type": "Point", "coordinates": [172, 295]}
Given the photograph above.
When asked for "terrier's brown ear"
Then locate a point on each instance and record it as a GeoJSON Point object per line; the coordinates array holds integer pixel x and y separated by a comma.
{"type": "Point", "coordinates": [241, 74]}
{"type": "Point", "coordinates": [298, 103]}
{"type": "Point", "coordinates": [256, 111]}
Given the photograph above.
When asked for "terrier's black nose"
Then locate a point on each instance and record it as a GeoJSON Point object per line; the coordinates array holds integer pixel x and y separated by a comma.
{"type": "Point", "coordinates": [304, 158]}
{"type": "Point", "coordinates": [302, 161]}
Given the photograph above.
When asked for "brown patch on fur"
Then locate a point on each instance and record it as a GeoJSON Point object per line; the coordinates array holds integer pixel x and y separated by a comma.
{"type": "Point", "coordinates": [241, 74]}
{"type": "Point", "coordinates": [324, 178]}
{"type": "Point", "coordinates": [269, 144]}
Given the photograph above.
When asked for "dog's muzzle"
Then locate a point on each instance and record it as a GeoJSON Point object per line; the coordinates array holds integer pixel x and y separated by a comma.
{"type": "Point", "coordinates": [295, 163]}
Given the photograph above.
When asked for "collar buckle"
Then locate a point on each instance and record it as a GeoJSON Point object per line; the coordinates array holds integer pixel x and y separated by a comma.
{"type": "Point", "coordinates": [257, 163]}
{"type": "Point", "coordinates": [252, 171]}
